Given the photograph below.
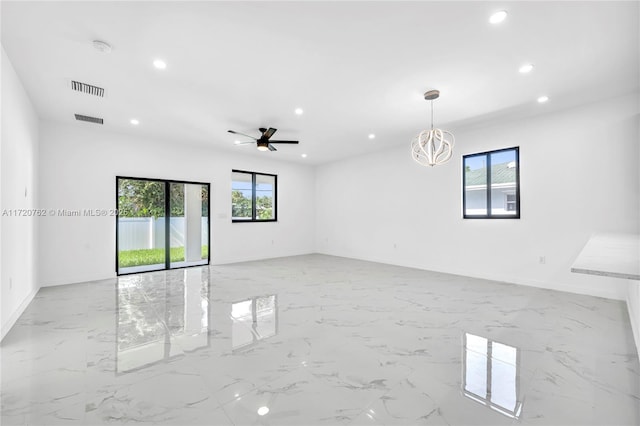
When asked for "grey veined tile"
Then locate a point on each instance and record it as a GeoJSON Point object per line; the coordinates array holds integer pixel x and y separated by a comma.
{"type": "Point", "coordinates": [317, 340]}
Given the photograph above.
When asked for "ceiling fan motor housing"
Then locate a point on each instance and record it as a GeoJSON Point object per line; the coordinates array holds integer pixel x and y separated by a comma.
{"type": "Point", "coordinates": [264, 143]}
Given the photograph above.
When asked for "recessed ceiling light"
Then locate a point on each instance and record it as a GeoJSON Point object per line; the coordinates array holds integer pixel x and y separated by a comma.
{"type": "Point", "coordinates": [101, 46]}
{"type": "Point", "coordinates": [526, 68]}
{"type": "Point", "coordinates": [263, 411]}
{"type": "Point", "coordinates": [372, 136]}
{"type": "Point", "coordinates": [498, 17]}
{"type": "Point", "coordinates": [160, 64]}
{"type": "Point", "coordinates": [134, 122]}
{"type": "Point", "coordinates": [543, 99]}
{"type": "Point", "coordinates": [304, 155]}
{"type": "Point", "coordinates": [299, 111]}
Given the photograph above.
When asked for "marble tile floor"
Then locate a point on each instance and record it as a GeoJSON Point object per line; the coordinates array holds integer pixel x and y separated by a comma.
{"type": "Point", "coordinates": [317, 340]}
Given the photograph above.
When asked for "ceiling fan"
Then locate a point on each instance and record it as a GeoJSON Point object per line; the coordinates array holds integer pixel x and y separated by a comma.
{"type": "Point", "coordinates": [264, 142]}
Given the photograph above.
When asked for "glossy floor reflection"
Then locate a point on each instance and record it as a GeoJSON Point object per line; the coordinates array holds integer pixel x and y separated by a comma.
{"type": "Point", "coordinates": [317, 340]}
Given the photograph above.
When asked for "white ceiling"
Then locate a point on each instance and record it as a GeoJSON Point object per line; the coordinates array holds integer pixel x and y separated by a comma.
{"type": "Point", "coordinates": [354, 67]}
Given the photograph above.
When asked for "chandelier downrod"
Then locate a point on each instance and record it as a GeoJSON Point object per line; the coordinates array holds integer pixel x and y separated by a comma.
{"type": "Point", "coordinates": [430, 96]}
{"type": "Point", "coordinates": [435, 146]}
{"type": "Point", "coordinates": [431, 115]}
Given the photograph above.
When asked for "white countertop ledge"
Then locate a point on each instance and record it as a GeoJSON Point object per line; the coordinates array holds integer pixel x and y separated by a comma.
{"type": "Point", "coordinates": [610, 255]}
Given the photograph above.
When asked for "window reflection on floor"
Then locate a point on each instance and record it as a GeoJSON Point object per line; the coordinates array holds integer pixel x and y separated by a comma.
{"type": "Point", "coordinates": [163, 320]}
{"type": "Point", "coordinates": [253, 320]}
{"type": "Point", "coordinates": [491, 374]}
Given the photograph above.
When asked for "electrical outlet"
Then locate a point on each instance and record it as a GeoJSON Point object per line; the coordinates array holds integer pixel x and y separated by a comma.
{"type": "Point", "coordinates": [542, 260]}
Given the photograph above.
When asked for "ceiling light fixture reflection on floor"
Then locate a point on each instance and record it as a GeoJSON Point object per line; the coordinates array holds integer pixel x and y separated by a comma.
{"type": "Point", "coordinates": [435, 146]}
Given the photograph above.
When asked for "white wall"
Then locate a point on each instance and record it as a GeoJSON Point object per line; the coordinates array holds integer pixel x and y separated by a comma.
{"type": "Point", "coordinates": [18, 170]}
{"type": "Point", "coordinates": [579, 175]}
{"type": "Point", "coordinates": [78, 167]}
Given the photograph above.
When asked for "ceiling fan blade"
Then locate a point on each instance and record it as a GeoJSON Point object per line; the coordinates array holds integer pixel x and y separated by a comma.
{"type": "Point", "coordinates": [238, 133]}
{"type": "Point", "coordinates": [269, 132]}
{"type": "Point", "coordinates": [271, 147]}
{"type": "Point", "coordinates": [243, 143]}
{"type": "Point", "coordinates": [284, 142]}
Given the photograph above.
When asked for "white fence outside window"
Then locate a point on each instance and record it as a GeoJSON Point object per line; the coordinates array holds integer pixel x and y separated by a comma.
{"type": "Point", "coordinates": [137, 233]}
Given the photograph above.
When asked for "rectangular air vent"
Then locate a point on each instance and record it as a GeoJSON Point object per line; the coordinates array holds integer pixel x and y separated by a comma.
{"type": "Point", "coordinates": [87, 88]}
{"type": "Point", "coordinates": [86, 118]}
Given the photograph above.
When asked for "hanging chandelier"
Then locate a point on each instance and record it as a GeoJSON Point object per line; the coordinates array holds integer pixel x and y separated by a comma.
{"type": "Point", "coordinates": [435, 146]}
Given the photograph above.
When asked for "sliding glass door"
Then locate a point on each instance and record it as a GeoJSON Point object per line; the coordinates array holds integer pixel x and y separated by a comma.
{"type": "Point", "coordinates": [161, 224]}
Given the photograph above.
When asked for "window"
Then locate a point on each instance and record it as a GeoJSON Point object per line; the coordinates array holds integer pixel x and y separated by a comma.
{"type": "Point", "coordinates": [491, 182]}
{"type": "Point", "coordinates": [253, 197]}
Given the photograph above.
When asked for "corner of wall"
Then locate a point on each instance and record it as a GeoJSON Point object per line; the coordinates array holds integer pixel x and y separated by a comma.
{"type": "Point", "coordinates": [633, 302]}
{"type": "Point", "coordinates": [13, 318]}
{"type": "Point", "coordinates": [19, 156]}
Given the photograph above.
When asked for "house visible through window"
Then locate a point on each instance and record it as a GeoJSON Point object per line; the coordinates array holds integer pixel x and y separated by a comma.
{"type": "Point", "coordinates": [510, 202]}
{"type": "Point", "coordinates": [491, 185]}
{"type": "Point", "coordinates": [253, 197]}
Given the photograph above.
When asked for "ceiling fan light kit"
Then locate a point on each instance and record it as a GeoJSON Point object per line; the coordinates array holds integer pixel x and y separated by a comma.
{"type": "Point", "coordinates": [264, 143]}
{"type": "Point", "coordinates": [435, 146]}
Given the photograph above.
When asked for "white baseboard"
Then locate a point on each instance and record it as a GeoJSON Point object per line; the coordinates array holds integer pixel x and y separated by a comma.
{"type": "Point", "coordinates": [604, 291]}
{"type": "Point", "coordinates": [6, 327]}
{"type": "Point", "coordinates": [632, 308]}
{"type": "Point", "coordinates": [239, 259]}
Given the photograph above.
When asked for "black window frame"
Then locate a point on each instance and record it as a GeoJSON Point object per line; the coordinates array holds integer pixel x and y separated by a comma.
{"type": "Point", "coordinates": [253, 218]}
{"type": "Point", "coordinates": [489, 215]}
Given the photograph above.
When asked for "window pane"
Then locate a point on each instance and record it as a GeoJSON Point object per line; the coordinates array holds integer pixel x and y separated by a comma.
{"type": "Point", "coordinates": [141, 218]}
{"type": "Point", "coordinates": [189, 224]}
{"type": "Point", "coordinates": [205, 222]}
{"type": "Point", "coordinates": [241, 199]}
{"type": "Point", "coordinates": [475, 190]}
{"type": "Point", "coordinates": [503, 182]}
{"type": "Point", "coordinates": [265, 194]}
